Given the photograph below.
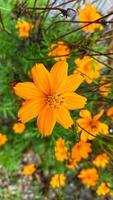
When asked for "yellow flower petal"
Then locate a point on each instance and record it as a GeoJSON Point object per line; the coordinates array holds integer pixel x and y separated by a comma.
{"type": "Point", "coordinates": [58, 75]}
{"type": "Point", "coordinates": [73, 101]}
{"type": "Point", "coordinates": [96, 117]}
{"type": "Point", "coordinates": [29, 110]}
{"type": "Point", "coordinates": [27, 90]}
{"type": "Point", "coordinates": [82, 122]}
{"type": "Point", "coordinates": [103, 128]}
{"type": "Point", "coordinates": [73, 82]}
{"type": "Point", "coordinates": [85, 114]}
{"type": "Point", "coordinates": [46, 120]}
{"type": "Point", "coordinates": [41, 78]}
{"type": "Point", "coordinates": [64, 118]}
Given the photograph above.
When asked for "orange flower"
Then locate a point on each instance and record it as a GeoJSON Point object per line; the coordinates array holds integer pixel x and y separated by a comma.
{"type": "Point", "coordinates": [88, 67]}
{"type": "Point", "coordinates": [110, 113]}
{"type": "Point", "coordinates": [58, 180]}
{"type": "Point", "coordinates": [60, 50]}
{"type": "Point", "coordinates": [3, 139]}
{"type": "Point", "coordinates": [81, 150]}
{"type": "Point", "coordinates": [103, 189]}
{"type": "Point", "coordinates": [92, 125]}
{"type": "Point", "coordinates": [89, 177]}
{"type": "Point", "coordinates": [50, 97]}
{"type": "Point", "coordinates": [89, 14]}
{"type": "Point", "coordinates": [105, 87]}
{"type": "Point", "coordinates": [19, 127]}
{"type": "Point", "coordinates": [24, 28]}
{"type": "Point", "coordinates": [101, 160]}
{"type": "Point", "coordinates": [61, 151]}
{"type": "Point", "coordinates": [29, 169]}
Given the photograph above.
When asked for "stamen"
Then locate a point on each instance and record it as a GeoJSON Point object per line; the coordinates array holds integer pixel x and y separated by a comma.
{"type": "Point", "coordinates": [55, 101]}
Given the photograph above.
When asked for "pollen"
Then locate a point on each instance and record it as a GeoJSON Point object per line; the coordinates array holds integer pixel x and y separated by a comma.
{"type": "Point", "coordinates": [55, 101]}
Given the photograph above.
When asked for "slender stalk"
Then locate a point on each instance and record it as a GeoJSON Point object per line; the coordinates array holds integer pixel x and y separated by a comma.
{"type": "Point", "coordinates": [102, 62]}
{"type": "Point", "coordinates": [86, 130]}
{"type": "Point", "coordinates": [70, 32]}
{"type": "Point", "coordinates": [3, 26]}
{"type": "Point", "coordinates": [76, 22]}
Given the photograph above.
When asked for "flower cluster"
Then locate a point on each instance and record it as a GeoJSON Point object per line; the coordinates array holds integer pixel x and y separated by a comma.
{"type": "Point", "coordinates": [89, 177]}
{"type": "Point", "coordinates": [89, 14]}
{"type": "Point", "coordinates": [101, 160]}
{"type": "Point", "coordinates": [61, 152]}
{"type": "Point", "coordinates": [81, 150]}
{"type": "Point", "coordinates": [88, 67]}
{"type": "Point", "coordinates": [3, 139]}
{"type": "Point", "coordinates": [103, 189]}
{"type": "Point", "coordinates": [61, 81]}
{"type": "Point", "coordinates": [58, 180]}
{"type": "Point", "coordinates": [24, 28]}
{"type": "Point", "coordinates": [91, 126]}
{"type": "Point", "coordinates": [29, 169]}
{"type": "Point", "coordinates": [18, 127]}
{"type": "Point", "coordinates": [59, 51]}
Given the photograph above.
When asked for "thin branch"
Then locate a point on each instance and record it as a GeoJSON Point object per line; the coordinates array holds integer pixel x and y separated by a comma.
{"type": "Point", "coordinates": [77, 22]}
{"type": "Point", "coordinates": [86, 130]}
{"type": "Point", "coordinates": [64, 35]}
{"type": "Point", "coordinates": [102, 62]}
{"type": "Point", "coordinates": [3, 26]}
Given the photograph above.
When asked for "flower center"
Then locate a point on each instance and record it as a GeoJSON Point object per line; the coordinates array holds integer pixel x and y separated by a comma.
{"type": "Point", "coordinates": [94, 124]}
{"type": "Point", "coordinates": [55, 101]}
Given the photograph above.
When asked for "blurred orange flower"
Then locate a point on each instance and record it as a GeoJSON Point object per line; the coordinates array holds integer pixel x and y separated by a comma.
{"type": "Point", "coordinates": [81, 150]}
{"type": "Point", "coordinates": [89, 177]}
{"type": "Point", "coordinates": [29, 169]}
{"type": "Point", "coordinates": [105, 87]}
{"type": "Point", "coordinates": [50, 97]}
{"type": "Point", "coordinates": [58, 180]}
{"type": "Point", "coordinates": [92, 125]}
{"type": "Point", "coordinates": [110, 112]}
{"type": "Point", "coordinates": [88, 67]}
{"type": "Point", "coordinates": [24, 28]}
{"type": "Point", "coordinates": [61, 151]}
{"type": "Point", "coordinates": [103, 189]}
{"type": "Point", "coordinates": [19, 127]}
{"type": "Point", "coordinates": [59, 51]}
{"type": "Point", "coordinates": [3, 139]}
{"type": "Point", "coordinates": [89, 14]}
{"type": "Point", "coordinates": [101, 160]}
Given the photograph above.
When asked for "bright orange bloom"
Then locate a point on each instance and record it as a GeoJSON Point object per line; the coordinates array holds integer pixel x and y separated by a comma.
{"type": "Point", "coordinates": [19, 127]}
{"type": "Point", "coordinates": [101, 160]}
{"type": "Point", "coordinates": [81, 150]}
{"type": "Point", "coordinates": [103, 189]}
{"type": "Point", "coordinates": [60, 50]}
{"type": "Point", "coordinates": [3, 139]}
{"type": "Point", "coordinates": [105, 87]}
{"type": "Point", "coordinates": [61, 151]}
{"type": "Point", "coordinates": [29, 169]}
{"type": "Point", "coordinates": [24, 28]}
{"type": "Point", "coordinates": [89, 177]}
{"type": "Point", "coordinates": [89, 14]}
{"type": "Point", "coordinates": [58, 180]}
{"type": "Point", "coordinates": [110, 113]}
{"type": "Point", "coordinates": [50, 96]}
{"type": "Point", "coordinates": [92, 125]}
{"type": "Point", "coordinates": [88, 67]}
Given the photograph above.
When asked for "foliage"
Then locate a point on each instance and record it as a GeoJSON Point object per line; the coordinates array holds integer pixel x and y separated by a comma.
{"type": "Point", "coordinates": [52, 23]}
